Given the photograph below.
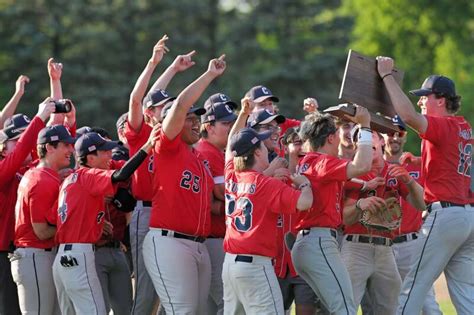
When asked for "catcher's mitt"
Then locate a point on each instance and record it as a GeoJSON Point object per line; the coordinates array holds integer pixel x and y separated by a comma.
{"type": "Point", "coordinates": [385, 219]}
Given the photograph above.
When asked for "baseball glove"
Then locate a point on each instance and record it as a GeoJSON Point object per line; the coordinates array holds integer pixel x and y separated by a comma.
{"type": "Point", "coordinates": [387, 218]}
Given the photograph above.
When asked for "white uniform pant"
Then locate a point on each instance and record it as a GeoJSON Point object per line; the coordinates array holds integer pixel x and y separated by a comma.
{"type": "Point", "coordinates": [215, 302]}
{"type": "Point", "coordinates": [77, 286]}
{"type": "Point", "coordinates": [446, 243]}
{"type": "Point", "coordinates": [404, 253]}
{"type": "Point", "coordinates": [251, 287]}
{"type": "Point", "coordinates": [180, 270]}
{"type": "Point", "coordinates": [373, 268]}
{"type": "Point", "coordinates": [32, 272]}
{"type": "Point", "coordinates": [317, 260]}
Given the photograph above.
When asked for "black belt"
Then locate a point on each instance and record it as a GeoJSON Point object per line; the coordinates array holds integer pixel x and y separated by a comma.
{"type": "Point", "coordinates": [45, 249]}
{"type": "Point", "coordinates": [111, 244]}
{"type": "Point", "coordinates": [146, 203]}
{"type": "Point", "coordinates": [370, 240]}
{"type": "Point", "coordinates": [69, 247]}
{"type": "Point", "coordinates": [243, 258]}
{"type": "Point", "coordinates": [306, 232]}
{"type": "Point", "coordinates": [404, 238]}
{"type": "Point", "coordinates": [446, 204]}
{"type": "Point", "coordinates": [198, 239]}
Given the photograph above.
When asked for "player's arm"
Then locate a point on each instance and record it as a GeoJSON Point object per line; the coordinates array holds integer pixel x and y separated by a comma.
{"type": "Point", "coordinates": [55, 70]}
{"type": "Point", "coordinates": [400, 100]}
{"type": "Point", "coordinates": [362, 161]}
{"type": "Point", "coordinates": [134, 162]}
{"type": "Point", "coordinates": [135, 113]}
{"type": "Point", "coordinates": [180, 63]}
{"type": "Point", "coordinates": [216, 206]}
{"type": "Point", "coordinates": [174, 122]}
{"type": "Point", "coordinates": [12, 104]}
{"type": "Point", "coordinates": [219, 192]}
{"type": "Point", "coordinates": [305, 200]}
{"type": "Point", "coordinates": [353, 208]}
{"type": "Point", "coordinates": [43, 231]}
{"type": "Point", "coordinates": [415, 190]}
{"type": "Point", "coordinates": [247, 108]}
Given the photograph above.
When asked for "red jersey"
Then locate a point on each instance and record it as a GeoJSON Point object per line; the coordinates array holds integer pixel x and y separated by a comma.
{"type": "Point", "coordinates": [182, 189]}
{"type": "Point", "coordinates": [81, 206]}
{"type": "Point", "coordinates": [253, 203]}
{"type": "Point", "coordinates": [411, 217]}
{"type": "Point", "coordinates": [289, 123]}
{"type": "Point", "coordinates": [142, 178]}
{"type": "Point", "coordinates": [215, 160]}
{"type": "Point", "coordinates": [392, 188]}
{"type": "Point", "coordinates": [327, 175]}
{"type": "Point", "coordinates": [446, 151]}
{"type": "Point", "coordinates": [36, 203]}
{"type": "Point", "coordinates": [286, 223]}
{"type": "Point", "coordinates": [10, 176]}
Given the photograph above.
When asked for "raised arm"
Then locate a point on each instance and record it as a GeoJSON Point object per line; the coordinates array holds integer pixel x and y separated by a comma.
{"type": "Point", "coordinates": [362, 161]}
{"type": "Point", "coordinates": [135, 112]}
{"type": "Point", "coordinates": [174, 121]}
{"type": "Point", "coordinates": [400, 100]}
{"type": "Point", "coordinates": [12, 104]}
{"type": "Point", "coordinates": [180, 63]}
{"type": "Point", "coordinates": [55, 71]}
{"type": "Point", "coordinates": [246, 110]}
{"type": "Point", "coordinates": [415, 190]}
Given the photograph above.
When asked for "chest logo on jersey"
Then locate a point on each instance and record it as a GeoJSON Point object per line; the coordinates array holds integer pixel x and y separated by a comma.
{"type": "Point", "coordinates": [280, 221]}
{"type": "Point", "coordinates": [414, 174]}
{"type": "Point", "coordinates": [303, 168]}
{"type": "Point", "coordinates": [392, 182]}
{"type": "Point", "coordinates": [190, 181]}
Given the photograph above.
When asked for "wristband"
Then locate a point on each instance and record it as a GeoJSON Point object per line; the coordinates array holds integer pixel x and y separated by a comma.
{"type": "Point", "coordinates": [386, 75]}
{"type": "Point", "coordinates": [304, 185]}
{"type": "Point", "coordinates": [364, 137]}
{"type": "Point", "coordinates": [358, 205]}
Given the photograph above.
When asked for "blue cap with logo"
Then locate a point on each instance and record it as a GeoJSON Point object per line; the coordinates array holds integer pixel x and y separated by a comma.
{"type": "Point", "coordinates": [157, 97]}
{"type": "Point", "coordinates": [263, 117]}
{"type": "Point", "coordinates": [246, 139]}
{"type": "Point", "coordinates": [91, 142]}
{"type": "Point", "coordinates": [436, 84]}
{"type": "Point", "coordinates": [220, 98]}
{"type": "Point", "coordinates": [218, 112]}
{"type": "Point", "coordinates": [260, 93]}
{"type": "Point", "coordinates": [55, 133]}
{"type": "Point", "coordinates": [14, 126]}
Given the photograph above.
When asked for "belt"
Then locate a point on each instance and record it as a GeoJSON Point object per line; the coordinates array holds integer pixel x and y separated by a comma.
{"type": "Point", "coordinates": [45, 249]}
{"type": "Point", "coordinates": [405, 238]}
{"type": "Point", "coordinates": [243, 258]}
{"type": "Point", "coordinates": [446, 204]}
{"type": "Point", "coordinates": [198, 239]}
{"type": "Point", "coordinates": [370, 240]}
{"type": "Point", "coordinates": [69, 247]}
{"type": "Point", "coordinates": [111, 244]}
{"type": "Point", "coordinates": [146, 203]}
{"type": "Point", "coordinates": [306, 232]}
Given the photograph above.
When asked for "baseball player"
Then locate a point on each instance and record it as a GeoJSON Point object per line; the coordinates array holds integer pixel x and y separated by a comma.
{"type": "Point", "coordinates": [80, 222]}
{"type": "Point", "coordinates": [10, 108]}
{"type": "Point", "coordinates": [140, 120]}
{"type": "Point", "coordinates": [367, 253]}
{"type": "Point", "coordinates": [215, 128]}
{"type": "Point", "coordinates": [175, 258]}
{"type": "Point", "coordinates": [253, 204]}
{"type": "Point", "coordinates": [404, 243]}
{"type": "Point", "coordinates": [315, 253]}
{"type": "Point", "coordinates": [17, 140]}
{"type": "Point", "coordinates": [35, 228]}
{"type": "Point", "coordinates": [446, 239]}
{"type": "Point", "coordinates": [264, 120]}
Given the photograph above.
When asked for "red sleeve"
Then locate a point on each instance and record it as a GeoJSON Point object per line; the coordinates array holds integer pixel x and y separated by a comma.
{"type": "Point", "coordinates": [282, 197]}
{"type": "Point", "coordinates": [167, 146]}
{"type": "Point", "coordinates": [12, 162]}
{"type": "Point", "coordinates": [99, 181]}
{"type": "Point", "coordinates": [229, 169]}
{"type": "Point", "coordinates": [72, 129]}
{"type": "Point", "coordinates": [351, 185]}
{"type": "Point", "coordinates": [135, 138]}
{"type": "Point", "coordinates": [115, 165]}
{"type": "Point", "coordinates": [41, 201]}
{"type": "Point", "coordinates": [436, 129]}
{"type": "Point", "coordinates": [331, 169]}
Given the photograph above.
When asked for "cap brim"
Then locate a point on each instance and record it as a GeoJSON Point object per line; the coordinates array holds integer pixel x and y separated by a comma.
{"type": "Point", "coordinates": [107, 146]}
{"type": "Point", "coordinates": [231, 117]}
{"type": "Point", "coordinates": [262, 136]}
{"type": "Point", "coordinates": [262, 98]}
{"type": "Point", "coordinates": [278, 118]}
{"type": "Point", "coordinates": [163, 102]}
{"type": "Point", "coordinates": [233, 105]}
{"type": "Point", "coordinates": [198, 111]}
{"type": "Point", "coordinates": [421, 92]}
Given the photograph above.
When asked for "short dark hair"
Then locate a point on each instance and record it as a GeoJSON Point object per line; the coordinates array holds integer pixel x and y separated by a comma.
{"type": "Point", "coordinates": [82, 160]}
{"type": "Point", "coordinates": [41, 148]}
{"type": "Point", "coordinates": [452, 103]}
{"type": "Point", "coordinates": [316, 128]}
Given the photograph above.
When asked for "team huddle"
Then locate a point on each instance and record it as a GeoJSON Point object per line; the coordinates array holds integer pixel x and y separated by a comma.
{"type": "Point", "coordinates": [212, 210]}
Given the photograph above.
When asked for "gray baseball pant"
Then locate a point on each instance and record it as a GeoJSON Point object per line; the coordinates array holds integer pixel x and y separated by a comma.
{"type": "Point", "coordinates": [215, 301]}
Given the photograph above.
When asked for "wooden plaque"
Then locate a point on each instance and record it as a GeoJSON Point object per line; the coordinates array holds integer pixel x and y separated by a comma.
{"type": "Point", "coordinates": [362, 85]}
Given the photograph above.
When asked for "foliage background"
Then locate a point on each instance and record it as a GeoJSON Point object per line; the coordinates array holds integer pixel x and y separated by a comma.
{"type": "Point", "coordinates": [297, 48]}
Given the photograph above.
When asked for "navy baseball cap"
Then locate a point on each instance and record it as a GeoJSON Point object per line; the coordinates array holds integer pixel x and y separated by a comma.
{"type": "Point", "coordinates": [157, 97]}
{"type": "Point", "coordinates": [55, 133]}
{"type": "Point", "coordinates": [199, 111]}
{"type": "Point", "coordinates": [14, 126]}
{"type": "Point", "coordinates": [397, 121]}
{"type": "Point", "coordinates": [436, 84]}
{"type": "Point", "coordinates": [219, 98]}
{"type": "Point", "coordinates": [82, 131]}
{"type": "Point", "coordinates": [260, 93]}
{"type": "Point", "coordinates": [246, 139]}
{"type": "Point", "coordinates": [218, 112]}
{"type": "Point", "coordinates": [263, 117]}
{"type": "Point", "coordinates": [120, 124]}
{"type": "Point", "coordinates": [91, 142]}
